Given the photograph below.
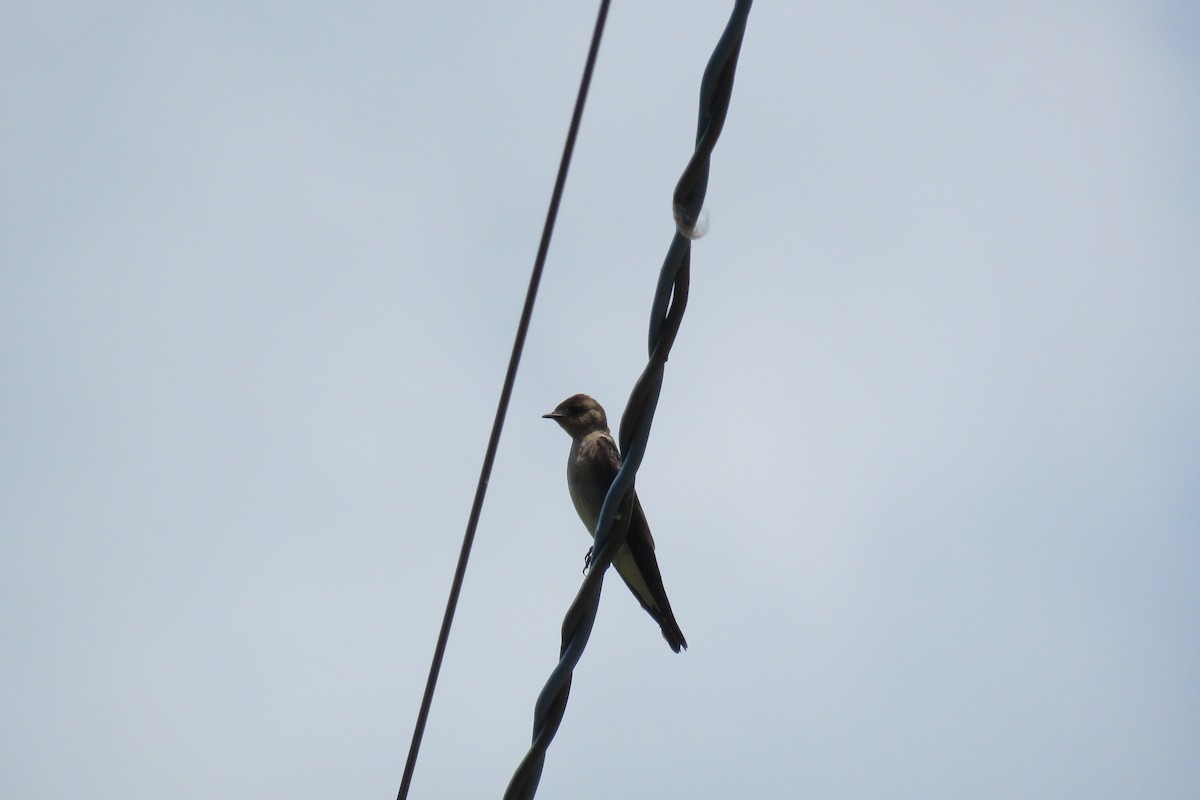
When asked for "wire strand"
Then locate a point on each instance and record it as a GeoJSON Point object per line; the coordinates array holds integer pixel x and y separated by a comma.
{"type": "Point", "coordinates": [666, 314]}
{"type": "Point", "coordinates": [502, 406]}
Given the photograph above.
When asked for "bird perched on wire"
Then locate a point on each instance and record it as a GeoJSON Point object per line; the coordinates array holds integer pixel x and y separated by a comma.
{"type": "Point", "coordinates": [591, 467]}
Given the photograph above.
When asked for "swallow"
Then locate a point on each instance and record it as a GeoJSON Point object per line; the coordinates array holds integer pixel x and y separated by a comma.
{"type": "Point", "coordinates": [591, 467]}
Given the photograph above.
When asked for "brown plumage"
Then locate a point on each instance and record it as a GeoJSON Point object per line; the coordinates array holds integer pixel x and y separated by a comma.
{"type": "Point", "coordinates": [591, 467]}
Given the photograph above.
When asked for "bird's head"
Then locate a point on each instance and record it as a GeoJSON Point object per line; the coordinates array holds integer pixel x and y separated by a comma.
{"type": "Point", "coordinates": [579, 415]}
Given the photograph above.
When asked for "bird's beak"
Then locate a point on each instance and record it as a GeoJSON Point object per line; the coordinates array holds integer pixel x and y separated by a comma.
{"type": "Point", "coordinates": [553, 415]}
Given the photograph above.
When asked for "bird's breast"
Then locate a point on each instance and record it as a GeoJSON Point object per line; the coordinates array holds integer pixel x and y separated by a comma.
{"type": "Point", "coordinates": [586, 483]}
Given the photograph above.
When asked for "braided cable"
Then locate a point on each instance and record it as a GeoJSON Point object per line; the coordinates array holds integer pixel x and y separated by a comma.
{"type": "Point", "coordinates": [670, 301]}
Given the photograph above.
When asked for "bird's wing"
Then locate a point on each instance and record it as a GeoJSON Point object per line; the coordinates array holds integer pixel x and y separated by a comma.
{"type": "Point", "coordinates": [639, 568]}
{"type": "Point", "coordinates": [604, 461]}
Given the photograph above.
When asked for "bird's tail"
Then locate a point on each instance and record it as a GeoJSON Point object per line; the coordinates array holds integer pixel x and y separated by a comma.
{"type": "Point", "coordinates": [670, 630]}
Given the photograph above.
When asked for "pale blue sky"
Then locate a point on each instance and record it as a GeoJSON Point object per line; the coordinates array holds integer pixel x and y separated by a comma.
{"type": "Point", "coordinates": [924, 477]}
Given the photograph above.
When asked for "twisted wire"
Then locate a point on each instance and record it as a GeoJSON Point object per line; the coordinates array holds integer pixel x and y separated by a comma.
{"type": "Point", "coordinates": [510, 377]}
{"type": "Point", "coordinates": [666, 314]}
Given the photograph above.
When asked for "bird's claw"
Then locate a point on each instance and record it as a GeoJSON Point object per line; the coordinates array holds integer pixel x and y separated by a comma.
{"type": "Point", "coordinates": [587, 560]}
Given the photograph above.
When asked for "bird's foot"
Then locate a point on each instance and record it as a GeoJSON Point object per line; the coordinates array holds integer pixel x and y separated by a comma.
{"type": "Point", "coordinates": [587, 561]}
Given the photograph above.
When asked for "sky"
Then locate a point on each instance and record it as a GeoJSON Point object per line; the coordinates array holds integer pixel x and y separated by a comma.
{"type": "Point", "coordinates": [924, 477]}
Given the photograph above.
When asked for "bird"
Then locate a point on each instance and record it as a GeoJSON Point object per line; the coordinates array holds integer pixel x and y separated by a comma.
{"type": "Point", "coordinates": [591, 467]}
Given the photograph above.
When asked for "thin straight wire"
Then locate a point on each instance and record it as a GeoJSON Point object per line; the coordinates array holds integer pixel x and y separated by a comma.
{"type": "Point", "coordinates": [502, 407]}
